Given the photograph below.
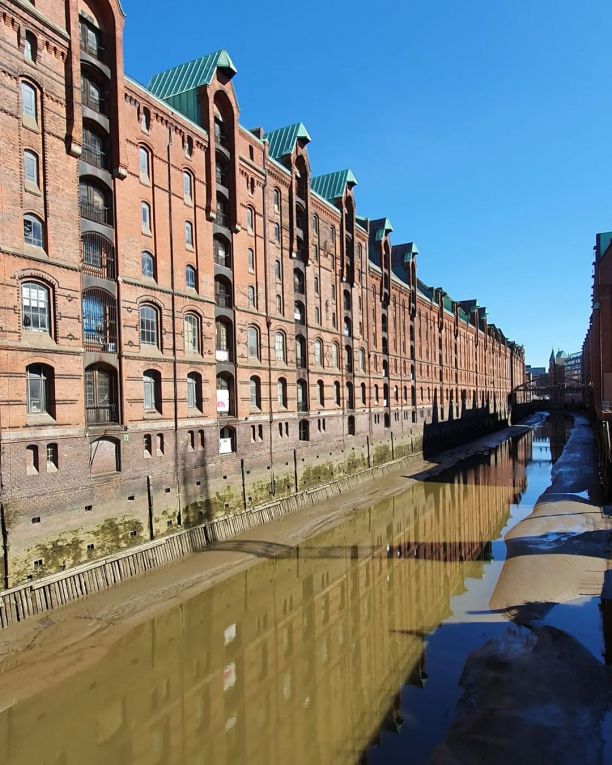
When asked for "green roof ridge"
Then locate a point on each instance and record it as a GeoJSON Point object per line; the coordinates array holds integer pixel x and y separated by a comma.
{"type": "Point", "coordinates": [190, 75]}
{"type": "Point", "coordinates": [282, 141]}
{"type": "Point", "coordinates": [333, 185]}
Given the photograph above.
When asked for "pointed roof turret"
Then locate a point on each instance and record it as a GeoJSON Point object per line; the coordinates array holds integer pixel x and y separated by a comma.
{"type": "Point", "coordinates": [282, 141]}
{"type": "Point", "coordinates": [333, 185]}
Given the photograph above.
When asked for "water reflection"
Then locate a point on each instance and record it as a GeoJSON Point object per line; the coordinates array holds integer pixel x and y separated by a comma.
{"type": "Point", "coordinates": [299, 659]}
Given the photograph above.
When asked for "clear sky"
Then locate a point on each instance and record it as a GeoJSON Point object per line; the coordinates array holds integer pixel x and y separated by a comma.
{"type": "Point", "coordinates": [481, 128]}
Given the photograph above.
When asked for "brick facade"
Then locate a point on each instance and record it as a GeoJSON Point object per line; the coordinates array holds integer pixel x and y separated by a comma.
{"type": "Point", "coordinates": [191, 323]}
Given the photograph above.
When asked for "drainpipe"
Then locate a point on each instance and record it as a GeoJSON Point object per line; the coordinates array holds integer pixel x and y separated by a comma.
{"type": "Point", "coordinates": [172, 287]}
{"type": "Point", "coordinates": [5, 571]}
{"type": "Point", "coordinates": [268, 319]}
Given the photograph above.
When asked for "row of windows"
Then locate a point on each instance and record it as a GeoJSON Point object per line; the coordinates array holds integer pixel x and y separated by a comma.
{"type": "Point", "coordinates": [36, 317]}
{"type": "Point", "coordinates": [144, 157]}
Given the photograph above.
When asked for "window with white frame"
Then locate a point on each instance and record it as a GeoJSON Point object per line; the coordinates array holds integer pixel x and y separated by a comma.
{"type": "Point", "coordinates": [35, 307]}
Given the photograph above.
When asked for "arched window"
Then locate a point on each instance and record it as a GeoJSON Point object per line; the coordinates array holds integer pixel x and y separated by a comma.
{"type": "Point", "coordinates": [30, 170]}
{"type": "Point", "coordinates": [348, 358]}
{"type": "Point", "coordinates": [347, 300]}
{"type": "Point", "coordinates": [194, 391]}
{"type": "Point", "coordinates": [224, 342]}
{"type": "Point", "coordinates": [100, 395]}
{"type": "Point", "coordinates": [145, 119]}
{"type": "Point", "coordinates": [298, 281]}
{"type": "Point", "coordinates": [362, 359]}
{"type": "Point", "coordinates": [317, 315]}
{"type": "Point", "coordinates": [33, 231]}
{"type": "Point", "coordinates": [225, 394]}
{"type": "Point", "coordinates": [95, 146]}
{"type": "Point", "coordinates": [222, 171]}
{"type": "Point", "coordinates": [95, 201]}
{"type": "Point", "coordinates": [315, 224]}
{"type": "Point", "coordinates": [321, 393]}
{"type": "Point", "coordinates": [396, 393]}
{"type": "Point", "coordinates": [300, 352]}
{"type": "Point", "coordinates": [316, 285]}
{"type": "Point", "coordinates": [348, 327]}
{"type": "Point", "coordinates": [318, 352]}
{"type": "Point", "coordinates": [29, 106]}
{"type": "Point", "coordinates": [278, 274]}
{"type": "Point", "coordinates": [384, 322]}
{"type": "Point", "coordinates": [300, 312]}
{"type": "Point", "coordinates": [30, 47]}
{"type": "Point", "coordinates": [302, 396]}
{"type": "Point", "coordinates": [250, 219]}
{"type": "Point", "coordinates": [149, 325]}
{"type": "Point", "coordinates": [190, 277]}
{"type": "Point", "coordinates": [187, 187]}
{"type": "Point", "coordinates": [255, 392]}
{"type": "Point", "coordinates": [99, 320]}
{"type": "Point", "coordinates": [279, 346]}
{"type": "Point", "coordinates": [276, 232]}
{"type": "Point", "coordinates": [337, 393]}
{"type": "Point", "coordinates": [40, 389]}
{"type": "Point", "coordinates": [188, 234]}
{"type": "Point", "coordinates": [363, 394]}
{"type": "Point", "coordinates": [334, 354]}
{"type": "Point", "coordinates": [151, 390]}
{"type": "Point", "coordinates": [304, 430]}
{"type": "Point", "coordinates": [147, 264]}
{"type": "Point", "coordinates": [98, 255]}
{"type": "Point", "coordinates": [251, 260]}
{"type": "Point", "coordinates": [144, 158]}
{"type": "Point", "coordinates": [35, 307]}
{"type": "Point", "coordinates": [252, 296]}
{"type": "Point", "coordinates": [145, 217]}
{"type": "Point", "coordinates": [405, 393]}
{"type": "Point", "coordinates": [92, 93]}
{"type": "Point", "coordinates": [350, 403]}
{"type": "Point", "coordinates": [253, 342]}
{"type": "Point", "coordinates": [376, 393]}
{"type": "Point", "coordinates": [192, 333]}
{"type": "Point", "coordinates": [222, 213]}
{"type": "Point", "coordinates": [227, 440]}
{"type": "Point", "coordinates": [222, 251]}
{"type": "Point", "coordinates": [223, 292]}
{"type": "Point", "coordinates": [281, 391]}
{"type": "Point", "coordinates": [189, 146]}
{"type": "Point", "coordinates": [385, 394]}
{"type": "Point", "coordinates": [277, 200]}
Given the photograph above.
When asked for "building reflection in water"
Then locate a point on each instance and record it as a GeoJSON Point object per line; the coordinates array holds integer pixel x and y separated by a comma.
{"type": "Point", "coordinates": [299, 659]}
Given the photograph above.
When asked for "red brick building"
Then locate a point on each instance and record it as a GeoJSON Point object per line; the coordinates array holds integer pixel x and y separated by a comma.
{"type": "Point", "coordinates": [192, 323]}
{"type": "Point", "coordinates": [597, 353]}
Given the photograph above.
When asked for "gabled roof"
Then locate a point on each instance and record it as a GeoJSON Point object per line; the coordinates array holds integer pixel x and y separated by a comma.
{"type": "Point", "coordinates": [189, 76]}
{"type": "Point", "coordinates": [282, 141]}
{"type": "Point", "coordinates": [380, 227]}
{"type": "Point", "coordinates": [333, 185]}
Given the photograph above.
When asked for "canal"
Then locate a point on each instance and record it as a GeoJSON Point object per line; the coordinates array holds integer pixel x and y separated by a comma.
{"type": "Point", "coordinates": [348, 648]}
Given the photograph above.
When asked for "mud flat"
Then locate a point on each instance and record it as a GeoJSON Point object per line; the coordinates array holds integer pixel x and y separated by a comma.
{"type": "Point", "coordinates": [536, 694]}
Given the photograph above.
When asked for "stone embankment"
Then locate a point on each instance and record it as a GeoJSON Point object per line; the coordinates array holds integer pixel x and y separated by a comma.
{"type": "Point", "coordinates": [48, 593]}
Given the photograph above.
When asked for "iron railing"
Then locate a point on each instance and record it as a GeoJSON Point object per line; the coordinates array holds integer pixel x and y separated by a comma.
{"type": "Point", "coordinates": [100, 415]}
{"type": "Point", "coordinates": [96, 213]}
{"type": "Point", "coordinates": [94, 156]}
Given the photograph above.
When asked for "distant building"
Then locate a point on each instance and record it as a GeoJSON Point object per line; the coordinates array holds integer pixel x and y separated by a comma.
{"type": "Point", "coordinates": [556, 367]}
{"type": "Point", "coordinates": [573, 368]}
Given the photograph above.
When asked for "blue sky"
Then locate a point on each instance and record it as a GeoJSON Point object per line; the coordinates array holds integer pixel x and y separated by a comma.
{"type": "Point", "coordinates": [479, 127]}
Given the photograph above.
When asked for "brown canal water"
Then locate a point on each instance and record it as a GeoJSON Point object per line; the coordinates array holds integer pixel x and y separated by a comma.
{"type": "Point", "coordinates": [346, 649]}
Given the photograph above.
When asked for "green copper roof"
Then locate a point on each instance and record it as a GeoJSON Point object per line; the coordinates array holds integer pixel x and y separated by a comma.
{"type": "Point", "coordinates": [179, 86]}
{"type": "Point", "coordinates": [379, 228]}
{"type": "Point", "coordinates": [333, 185]}
{"type": "Point", "coordinates": [282, 141]}
{"type": "Point", "coordinates": [191, 75]}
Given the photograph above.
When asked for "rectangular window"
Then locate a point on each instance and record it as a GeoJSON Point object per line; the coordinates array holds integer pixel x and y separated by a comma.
{"type": "Point", "coordinates": [30, 168]}
{"type": "Point", "coordinates": [149, 394]}
{"type": "Point", "coordinates": [145, 217]}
